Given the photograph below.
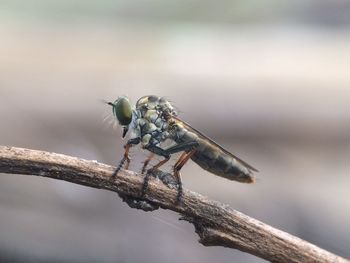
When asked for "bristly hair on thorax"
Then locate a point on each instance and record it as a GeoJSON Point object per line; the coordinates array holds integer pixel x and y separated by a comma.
{"type": "Point", "coordinates": [150, 120]}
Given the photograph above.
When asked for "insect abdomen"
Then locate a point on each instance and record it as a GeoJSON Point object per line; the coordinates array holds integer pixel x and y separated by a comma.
{"type": "Point", "coordinates": [213, 159]}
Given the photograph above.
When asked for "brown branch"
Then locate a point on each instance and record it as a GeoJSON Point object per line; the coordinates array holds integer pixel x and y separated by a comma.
{"type": "Point", "coordinates": [216, 224]}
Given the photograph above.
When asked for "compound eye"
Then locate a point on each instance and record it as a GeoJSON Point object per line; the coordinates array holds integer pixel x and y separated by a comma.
{"type": "Point", "coordinates": [122, 110]}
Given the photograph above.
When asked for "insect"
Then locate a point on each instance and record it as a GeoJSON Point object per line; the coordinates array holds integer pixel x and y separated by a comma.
{"type": "Point", "coordinates": [153, 120]}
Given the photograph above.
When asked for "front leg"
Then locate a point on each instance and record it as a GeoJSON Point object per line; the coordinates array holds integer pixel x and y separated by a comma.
{"type": "Point", "coordinates": [126, 157]}
{"type": "Point", "coordinates": [133, 202]}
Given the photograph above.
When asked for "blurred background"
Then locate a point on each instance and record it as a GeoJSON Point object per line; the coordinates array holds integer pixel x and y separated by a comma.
{"type": "Point", "coordinates": [267, 79]}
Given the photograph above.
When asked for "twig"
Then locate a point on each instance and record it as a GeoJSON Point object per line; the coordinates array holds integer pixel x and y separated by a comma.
{"type": "Point", "coordinates": [216, 224]}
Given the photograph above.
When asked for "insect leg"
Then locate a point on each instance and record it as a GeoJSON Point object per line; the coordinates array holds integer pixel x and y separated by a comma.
{"type": "Point", "coordinates": [158, 151]}
{"type": "Point", "coordinates": [182, 156]}
{"type": "Point", "coordinates": [166, 154]}
{"type": "Point", "coordinates": [126, 157]}
{"type": "Point", "coordinates": [187, 146]}
{"type": "Point", "coordinates": [177, 167]}
{"type": "Point", "coordinates": [146, 162]}
{"type": "Point", "coordinates": [155, 167]}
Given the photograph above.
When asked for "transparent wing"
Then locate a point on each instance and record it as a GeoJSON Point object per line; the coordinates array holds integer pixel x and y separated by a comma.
{"type": "Point", "coordinates": [190, 128]}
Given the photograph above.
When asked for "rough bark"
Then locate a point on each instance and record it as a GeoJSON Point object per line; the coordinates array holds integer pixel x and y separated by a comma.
{"type": "Point", "coordinates": [215, 223]}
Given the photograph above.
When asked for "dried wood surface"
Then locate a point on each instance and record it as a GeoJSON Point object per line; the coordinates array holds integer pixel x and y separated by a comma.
{"type": "Point", "coordinates": [215, 223]}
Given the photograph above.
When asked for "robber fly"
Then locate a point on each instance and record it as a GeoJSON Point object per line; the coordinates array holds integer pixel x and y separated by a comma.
{"type": "Point", "coordinates": [154, 120]}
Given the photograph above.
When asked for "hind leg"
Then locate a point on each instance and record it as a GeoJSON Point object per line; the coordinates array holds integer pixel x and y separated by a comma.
{"type": "Point", "coordinates": [177, 167]}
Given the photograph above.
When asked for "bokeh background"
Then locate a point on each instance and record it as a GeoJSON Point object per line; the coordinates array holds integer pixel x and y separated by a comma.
{"type": "Point", "coordinates": [267, 79]}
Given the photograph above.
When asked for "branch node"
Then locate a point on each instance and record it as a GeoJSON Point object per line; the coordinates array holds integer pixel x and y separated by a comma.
{"type": "Point", "coordinates": [138, 203]}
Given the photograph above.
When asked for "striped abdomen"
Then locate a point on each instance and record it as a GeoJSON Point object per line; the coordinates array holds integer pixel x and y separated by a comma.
{"type": "Point", "coordinates": [213, 158]}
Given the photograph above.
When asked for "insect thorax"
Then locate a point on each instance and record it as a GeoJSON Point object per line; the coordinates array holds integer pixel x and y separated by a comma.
{"type": "Point", "coordinates": [151, 120]}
